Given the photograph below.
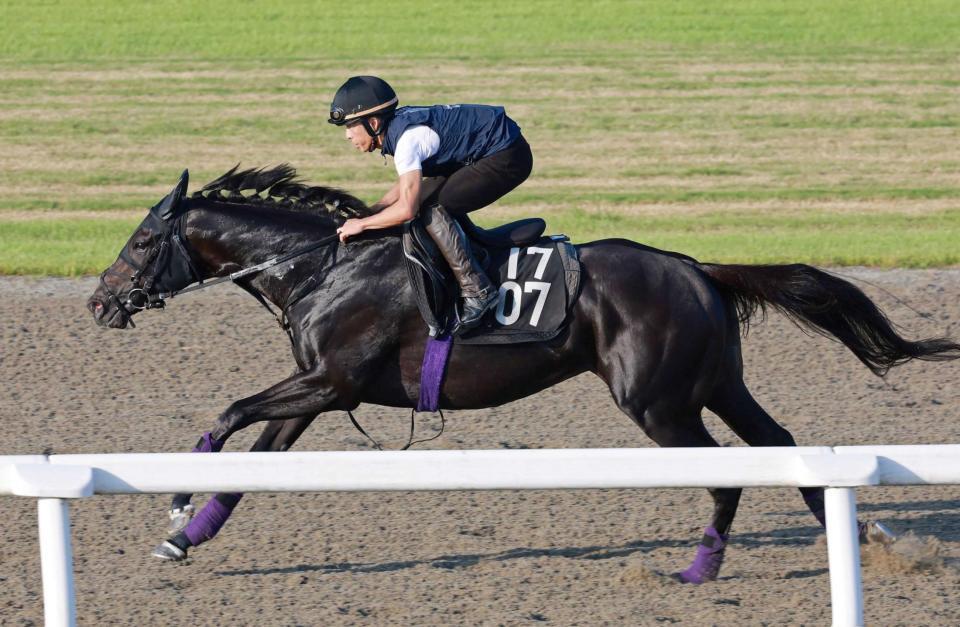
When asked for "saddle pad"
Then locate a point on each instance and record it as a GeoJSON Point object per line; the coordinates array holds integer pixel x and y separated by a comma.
{"type": "Point", "coordinates": [538, 286]}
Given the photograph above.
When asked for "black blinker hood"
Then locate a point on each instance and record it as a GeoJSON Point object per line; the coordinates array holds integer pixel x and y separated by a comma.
{"type": "Point", "coordinates": [175, 269]}
{"type": "Point", "coordinates": [167, 208]}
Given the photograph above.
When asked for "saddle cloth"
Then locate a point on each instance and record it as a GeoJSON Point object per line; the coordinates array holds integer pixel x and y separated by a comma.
{"type": "Point", "coordinates": [538, 278]}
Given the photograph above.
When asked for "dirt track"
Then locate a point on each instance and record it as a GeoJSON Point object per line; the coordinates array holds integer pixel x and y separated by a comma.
{"type": "Point", "coordinates": [587, 557]}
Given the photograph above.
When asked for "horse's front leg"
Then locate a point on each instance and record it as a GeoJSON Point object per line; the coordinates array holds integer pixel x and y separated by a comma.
{"type": "Point", "coordinates": [306, 393]}
{"type": "Point", "coordinates": [278, 435]}
{"type": "Point", "coordinates": [304, 390]}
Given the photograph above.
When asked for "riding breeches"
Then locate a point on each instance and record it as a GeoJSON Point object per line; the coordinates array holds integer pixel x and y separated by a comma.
{"type": "Point", "coordinates": [478, 184]}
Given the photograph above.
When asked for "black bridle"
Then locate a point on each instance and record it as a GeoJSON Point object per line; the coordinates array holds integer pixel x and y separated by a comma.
{"type": "Point", "coordinates": [145, 275]}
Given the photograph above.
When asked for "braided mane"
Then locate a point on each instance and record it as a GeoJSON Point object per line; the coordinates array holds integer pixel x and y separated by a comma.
{"type": "Point", "coordinates": [280, 188]}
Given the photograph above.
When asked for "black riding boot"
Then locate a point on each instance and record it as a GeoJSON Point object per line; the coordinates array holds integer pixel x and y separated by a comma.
{"type": "Point", "coordinates": [479, 294]}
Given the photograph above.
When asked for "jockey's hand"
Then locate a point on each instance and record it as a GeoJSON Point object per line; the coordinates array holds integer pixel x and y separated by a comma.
{"type": "Point", "coordinates": [350, 228]}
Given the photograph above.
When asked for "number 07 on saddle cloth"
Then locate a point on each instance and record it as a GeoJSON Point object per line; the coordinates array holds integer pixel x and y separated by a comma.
{"type": "Point", "coordinates": [538, 285]}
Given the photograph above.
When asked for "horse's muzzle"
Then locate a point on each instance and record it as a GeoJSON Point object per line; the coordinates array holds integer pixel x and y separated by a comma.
{"type": "Point", "coordinates": [106, 315]}
{"type": "Point", "coordinates": [97, 308]}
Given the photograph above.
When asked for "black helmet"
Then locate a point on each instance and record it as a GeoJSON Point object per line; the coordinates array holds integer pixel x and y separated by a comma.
{"type": "Point", "coordinates": [360, 97]}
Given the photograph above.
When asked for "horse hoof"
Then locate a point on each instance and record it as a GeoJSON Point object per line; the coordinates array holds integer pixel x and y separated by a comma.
{"type": "Point", "coordinates": [691, 578]}
{"type": "Point", "coordinates": [877, 533]}
{"type": "Point", "coordinates": [179, 519]}
{"type": "Point", "coordinates": [170, 552]}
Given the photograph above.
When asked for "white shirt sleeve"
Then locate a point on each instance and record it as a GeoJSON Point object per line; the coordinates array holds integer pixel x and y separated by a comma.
{"type": "Point", "coordinates": [416, 145]}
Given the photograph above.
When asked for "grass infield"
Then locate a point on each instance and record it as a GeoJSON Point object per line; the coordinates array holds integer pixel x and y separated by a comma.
{"type": "Point", "coordinates": [75, 247]}
{"type": "Point", "coordinates": [747, 131]}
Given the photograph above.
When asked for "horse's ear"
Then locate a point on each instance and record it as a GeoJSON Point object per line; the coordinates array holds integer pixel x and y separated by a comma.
{"type": "Point", "coordinates": [168, 206]}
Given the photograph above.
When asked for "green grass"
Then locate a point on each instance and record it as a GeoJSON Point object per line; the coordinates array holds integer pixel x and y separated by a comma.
{"type": "Point", "coordinates": [750, 117]}
{"type": "Point", "coordinates": [74, 247]}
{"type": "Point", "coordinates": [818, 238]}
{"type": "Point", "coordinates": [495, 29]}
{"type": "Point", "coordinates": [62, 247]}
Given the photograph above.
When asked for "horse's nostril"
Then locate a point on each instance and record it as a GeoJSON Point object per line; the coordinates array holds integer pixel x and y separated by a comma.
{"type": "Point", "coordinates": [95, 306]}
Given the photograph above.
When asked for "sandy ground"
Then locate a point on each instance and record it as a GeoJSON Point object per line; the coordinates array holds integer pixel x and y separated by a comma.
{"type": "Point", "coordinates": [569, 558]}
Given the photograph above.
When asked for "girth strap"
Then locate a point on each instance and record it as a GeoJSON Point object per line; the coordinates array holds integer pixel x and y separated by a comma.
{"type": "Point", "coordinates": [410, 440]}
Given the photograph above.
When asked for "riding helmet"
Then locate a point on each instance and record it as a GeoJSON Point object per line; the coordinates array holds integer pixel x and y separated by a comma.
{"type": "Point", "coordinates": [360, 97]}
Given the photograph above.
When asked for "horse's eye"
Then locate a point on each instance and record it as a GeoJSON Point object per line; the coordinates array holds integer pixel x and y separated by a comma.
{"type": "Point", "coordinates": [139, 245]}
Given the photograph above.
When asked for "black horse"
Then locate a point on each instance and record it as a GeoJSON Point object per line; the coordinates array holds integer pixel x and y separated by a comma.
{"type": "Point", "coordinates": [662, 330]}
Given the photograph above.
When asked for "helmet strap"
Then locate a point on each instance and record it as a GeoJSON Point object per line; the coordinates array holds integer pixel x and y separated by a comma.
{"type": "Point", "coordinates": [366, 125]}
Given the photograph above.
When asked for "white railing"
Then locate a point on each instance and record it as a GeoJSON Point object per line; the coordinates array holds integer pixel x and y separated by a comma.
{"type": "Point", "coordinates": [51, 479]}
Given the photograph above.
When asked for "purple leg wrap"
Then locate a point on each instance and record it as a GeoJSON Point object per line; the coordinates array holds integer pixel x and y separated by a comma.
{"type": "Point", "coordinates": [208, 444]}
{"type": "Point", "coordinates": [431, 372]}
{"type": "Point", "coordinates": [211, 518]}
{"type": "Point", "coordinates": [706, 566]}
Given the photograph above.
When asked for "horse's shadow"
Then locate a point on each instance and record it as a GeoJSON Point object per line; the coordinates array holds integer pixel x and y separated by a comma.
{"type": "Point", "coordinates": [943, 522]}
{"type": "Point", "coordinates": [793, 536]}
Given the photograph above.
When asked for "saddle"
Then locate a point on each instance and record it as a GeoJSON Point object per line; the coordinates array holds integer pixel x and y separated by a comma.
{"type": "Point", "coordinates": [537, 287]}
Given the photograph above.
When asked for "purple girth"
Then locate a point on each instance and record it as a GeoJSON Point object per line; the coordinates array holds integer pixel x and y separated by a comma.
{"type": "Point", "coordinates": [434, 366]}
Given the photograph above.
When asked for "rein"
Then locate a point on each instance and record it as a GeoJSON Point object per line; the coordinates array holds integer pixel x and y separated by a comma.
{"type": "Point", "coordinates": [173, 245]}
{"type": "Point", "coordinates": [158, 300]}
{"type": "Point", "coordinates": [233, 276]}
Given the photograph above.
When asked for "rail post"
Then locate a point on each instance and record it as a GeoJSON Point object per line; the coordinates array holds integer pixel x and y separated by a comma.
{"type": "Point", "coordinates": [51, 485]}
{"type": "Point", "coordinates": [838, 474]}
{"type": "Point", "coordinates": [843, 553]}
{"type": "Point", "coordinates": [56, 562]}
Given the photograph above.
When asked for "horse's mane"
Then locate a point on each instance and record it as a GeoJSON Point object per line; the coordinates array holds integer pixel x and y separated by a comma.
{"type": "Point", "coordinates": [280, 188]}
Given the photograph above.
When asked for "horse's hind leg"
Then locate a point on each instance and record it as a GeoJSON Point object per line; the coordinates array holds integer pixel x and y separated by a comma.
{"type": "Point", "coordinates": [661, 380]}
{"type": "Point", "coordinates": [186, 531]}
{"type": "Point", "coordinates": [677, 430]}
{"type": "Point", "coordinates": [677, 424]}
{"type": "Point", "coordinates": [742, 413]}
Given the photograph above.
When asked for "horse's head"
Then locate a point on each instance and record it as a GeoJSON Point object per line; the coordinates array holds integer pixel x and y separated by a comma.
{"type": "Point", "coordinates": [148, 264]}
{"type": "Point", "coordinates": [156, 262]}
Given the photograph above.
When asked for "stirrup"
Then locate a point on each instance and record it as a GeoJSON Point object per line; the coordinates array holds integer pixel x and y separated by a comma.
{"type": "Point", "coordinates": [464, 324]}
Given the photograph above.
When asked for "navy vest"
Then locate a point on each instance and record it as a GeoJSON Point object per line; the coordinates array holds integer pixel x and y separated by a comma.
{"type": "Point", "coordinates": [467, 133]}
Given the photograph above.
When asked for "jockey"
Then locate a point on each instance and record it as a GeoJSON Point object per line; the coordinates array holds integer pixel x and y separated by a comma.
{"type": "Point", "coordinates": [450, 160]}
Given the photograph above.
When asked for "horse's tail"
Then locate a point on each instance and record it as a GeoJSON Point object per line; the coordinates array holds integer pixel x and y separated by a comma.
{"type": "Point", "coordinates": [827, 305]}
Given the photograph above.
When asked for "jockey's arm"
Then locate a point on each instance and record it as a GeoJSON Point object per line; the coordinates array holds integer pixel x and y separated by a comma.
{"type": "Point", "coordinates": [392, 196]}
{"type": "Point", "coordinates": [404, 208]}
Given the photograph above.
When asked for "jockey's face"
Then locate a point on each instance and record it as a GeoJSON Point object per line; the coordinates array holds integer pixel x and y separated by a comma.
{"type": "Point", "coordinates": [357, 135]}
